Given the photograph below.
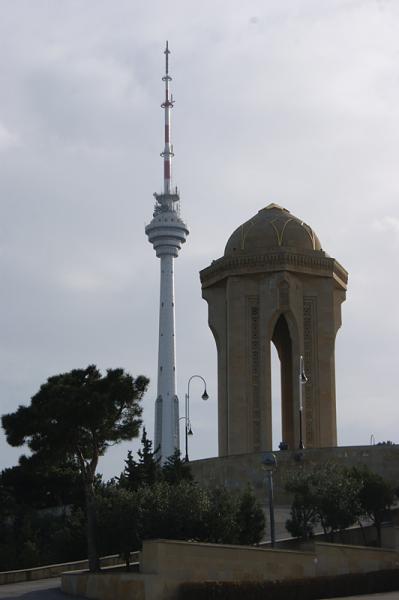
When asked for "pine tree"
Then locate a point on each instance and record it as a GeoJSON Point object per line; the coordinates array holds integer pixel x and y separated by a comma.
{"type": "Point", "coordinates": [145, 471]}
{"type": "Point", "coordinates": [128, 479]}
{"type": "Point", "coordinates": [250, 519]}
{"type": "Point", "coordinates": [75, 417]}
{"type": "Point", "coordinates": [175, 469]}
{"type": "Point", "coordinates": [148, 466]}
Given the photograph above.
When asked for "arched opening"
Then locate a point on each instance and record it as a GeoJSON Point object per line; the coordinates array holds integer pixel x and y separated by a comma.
{"type": "Point", "coordinates": [277, 433]}
{"type": "Point", "coordinates": [281, 339]}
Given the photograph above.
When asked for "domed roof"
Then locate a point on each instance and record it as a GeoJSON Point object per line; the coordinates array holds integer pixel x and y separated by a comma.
{"type": "Point", "coordinates": [273, 227]}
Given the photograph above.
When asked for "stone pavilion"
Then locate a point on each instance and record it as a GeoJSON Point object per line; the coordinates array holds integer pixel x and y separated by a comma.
{"type": "Point", "coordinates": [274, 284]}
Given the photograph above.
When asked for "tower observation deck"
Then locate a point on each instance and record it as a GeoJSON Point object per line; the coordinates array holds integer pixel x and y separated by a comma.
{"type": "Point", "coordinates": [167, 232]}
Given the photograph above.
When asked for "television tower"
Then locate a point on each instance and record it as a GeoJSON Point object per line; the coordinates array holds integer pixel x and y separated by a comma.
{"type": "Point", "coordinates": [167, 232]}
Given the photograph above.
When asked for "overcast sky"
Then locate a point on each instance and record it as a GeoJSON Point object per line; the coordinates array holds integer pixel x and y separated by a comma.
{"type": "Point", "coordinates": [293, 102]}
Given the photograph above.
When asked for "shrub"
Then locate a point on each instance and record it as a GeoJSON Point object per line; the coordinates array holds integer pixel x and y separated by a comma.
{"type": "Point", "coordinates": [328, 494]}
{"type": "Point", "coordinates": [250, 520]}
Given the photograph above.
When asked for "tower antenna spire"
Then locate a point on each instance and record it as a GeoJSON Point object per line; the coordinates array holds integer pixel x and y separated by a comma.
{"type": "Point", "coordinates": [167, 232]}
{"type": "Point", "coordinates": [167, 105]}
{"type": "Point", "coordinates": [167, 52]}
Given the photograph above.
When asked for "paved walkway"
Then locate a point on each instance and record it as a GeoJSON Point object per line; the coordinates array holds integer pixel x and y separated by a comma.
{"type": "Point", "coordinates": [43, 589]}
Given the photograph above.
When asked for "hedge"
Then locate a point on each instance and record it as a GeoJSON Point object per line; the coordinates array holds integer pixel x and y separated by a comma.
{"type": "Point", "coordinates": [311, 588]}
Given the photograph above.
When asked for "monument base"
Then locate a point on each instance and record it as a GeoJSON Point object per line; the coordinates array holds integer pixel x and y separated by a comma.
{"type": "Point", "coordinates": [237, 471]}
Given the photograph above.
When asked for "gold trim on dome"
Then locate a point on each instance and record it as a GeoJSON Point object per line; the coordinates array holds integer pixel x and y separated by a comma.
{"type": "Point", "coordinates": [280, 235]}
{"type": "Point", "coordinates": [310, 233]}
{"type": "Point", "coordinates": [244, 235]}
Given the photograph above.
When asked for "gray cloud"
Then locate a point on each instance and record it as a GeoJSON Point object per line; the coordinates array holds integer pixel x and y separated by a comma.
{"type": "Point", "coordinates": [295, 103]}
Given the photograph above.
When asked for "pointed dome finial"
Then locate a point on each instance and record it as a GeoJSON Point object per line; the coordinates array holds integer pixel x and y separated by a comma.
{"type": "Point", "coordinates": [275, 206]}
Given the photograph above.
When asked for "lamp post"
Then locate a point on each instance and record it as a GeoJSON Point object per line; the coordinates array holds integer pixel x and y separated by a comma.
{"type": "Point", "coordinates": [269, 463]}
{"type": "Point", "coordinates": [187, 424]}
{"type": "Point", "coordinates": [302, 380]}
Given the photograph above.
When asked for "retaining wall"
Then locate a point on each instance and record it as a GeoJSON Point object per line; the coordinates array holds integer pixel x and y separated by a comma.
{"type": "Point", "coordinates": [166, 564]}
{"type": "Point", "coordinates": [48, 571]}
{"type": "Point", "coordinates": [237, 471]}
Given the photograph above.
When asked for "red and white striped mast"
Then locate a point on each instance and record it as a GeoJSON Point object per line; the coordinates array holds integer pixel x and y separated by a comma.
{"type": "Point", "coordinates": [168, 149]}
{"type": "Point", "coordinates": [167, 232]}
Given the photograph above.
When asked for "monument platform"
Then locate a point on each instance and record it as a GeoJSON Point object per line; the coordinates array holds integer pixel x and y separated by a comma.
{"type": "Point", "coordinates": [237, 471]}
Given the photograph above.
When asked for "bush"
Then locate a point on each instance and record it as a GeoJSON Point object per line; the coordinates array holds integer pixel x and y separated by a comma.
{"type": "Point", "coordinates": [180, 511]}
{"type": "Point", "coordinates": [32, 539]}
{"type": "Point", "coordinates": [219, 519]}
{"type": "Point", "coordinates": [29, 555]}
{"type": "Point", "coordinates": [250, 520]}
{"type": "Point", "coordinates": [172, 511]}
{"type": "Point", "coordinates": [327, 494]}
{"type": "Point", "coordinates": [118, 516]}
{"type": "Point", "coordinates": [376, 496]}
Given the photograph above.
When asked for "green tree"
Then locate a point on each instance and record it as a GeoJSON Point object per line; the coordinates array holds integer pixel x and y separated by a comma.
{"type": "Point", "coordinates": [183, 511]}
{"type": "Point", "coordinates": [37, 484]}
{"type": "Point", "coordinates": [119, 517]}
{"type": "Point", "coordinates": [303, 485]}
{"type": "Point", "coordinates": [376, 496]}
{"type": "Point", "coordinates": [302, 521]}
{"type": "Point", "coordinates": [8, 548]}
{"type": "Point", "coordinates": [176, 470]}
{"type": "Point", "coordinates": [7, 501]}
{"type": "Point", "coordinates": [149, 467]}
{"type": "Point", "coordinates": [250, 519]}
{"type": "Point", "coordinates": [171, 511]}
{"type": "Point", "coordinates": [29, 554]}
{"type": "Point", "coordinates": [145, 471]}
{"type": "Point", "coordinates": [62, 538]}
{"type": "Point", "coordinates": [328, 495]}
{"type": "Point", "coordinates": [219, 520]}
{"type": "Point", "coordinates": [26, 538]}
{"type": "Point", "coordinates": [129, 478]}
{"type": "Point", "coordinates": [338, 499]}
{"type": "Point", "coordinates": [76, 416]}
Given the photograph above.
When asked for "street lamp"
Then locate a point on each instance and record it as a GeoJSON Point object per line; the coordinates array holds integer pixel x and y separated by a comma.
{"type": "Point", "coordinates": [302, 380]}
{"type": "Point", "coordinates": [187, 424]}
{"type": "Point", "coordinates": [269, 463]}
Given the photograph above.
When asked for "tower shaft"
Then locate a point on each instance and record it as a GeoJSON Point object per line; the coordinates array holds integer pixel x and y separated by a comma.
{"type": "Point", "coordinates": [166, 424]}
{"type": "Point", "coordinates": [167, 232]}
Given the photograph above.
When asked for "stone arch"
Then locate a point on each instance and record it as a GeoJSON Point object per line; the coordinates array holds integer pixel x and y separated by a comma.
{"type": "Point", "coordinates": [281, 338]}
{"type": "Point", "coordinates": [283, 333]}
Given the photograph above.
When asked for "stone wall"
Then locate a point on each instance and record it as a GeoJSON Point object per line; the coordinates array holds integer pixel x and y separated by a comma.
{"type": "Point", "coordinates": [237, 471]}
{"type": "Point", "coordinates": [166, 564]}
{"type": "Point", "coordinates": [106, 586]}
{"type": "Point", "coordinates": [336, 559]}
{"type": "Point", "coordinates": [197, 562]}
{"type": "Point", "coordinates": [48, 571]}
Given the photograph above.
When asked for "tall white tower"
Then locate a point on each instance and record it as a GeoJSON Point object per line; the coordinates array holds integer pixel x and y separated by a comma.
{"type": "Point", "coordinates": [167, 232]}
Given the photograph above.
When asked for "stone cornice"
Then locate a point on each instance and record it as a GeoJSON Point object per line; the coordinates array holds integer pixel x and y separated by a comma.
{"type": "Point", "coordinates": [314, 263]}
